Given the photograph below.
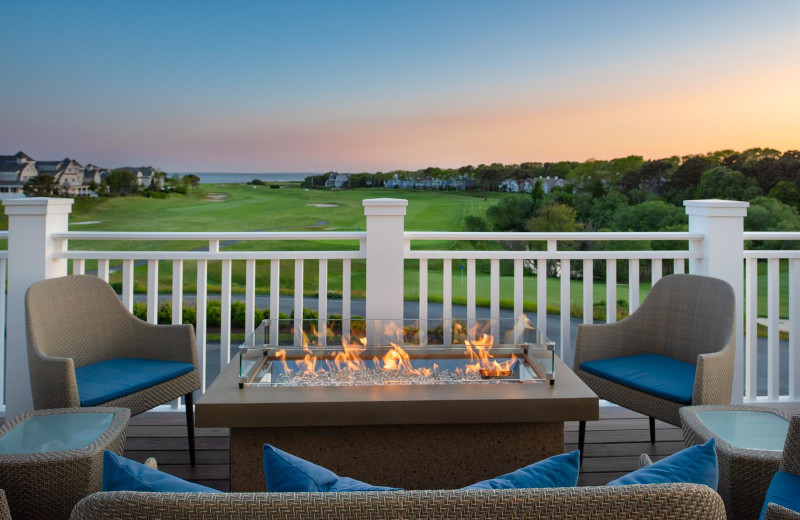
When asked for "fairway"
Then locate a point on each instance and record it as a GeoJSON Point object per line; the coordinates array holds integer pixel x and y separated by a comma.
{"type": "Point", "coordinates": [292, 208]}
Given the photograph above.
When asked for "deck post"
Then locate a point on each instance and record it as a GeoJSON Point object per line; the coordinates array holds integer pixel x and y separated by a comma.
{"type": "Point", "coordinates": [385, 251]}
{"type": "Point", "coordinates": [721, 254]}
{"type": "Point", "coordinates": [31, 246]}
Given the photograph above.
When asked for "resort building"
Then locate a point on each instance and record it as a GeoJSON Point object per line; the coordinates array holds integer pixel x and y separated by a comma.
{"type": "Point", "coordinates": [15, 170]}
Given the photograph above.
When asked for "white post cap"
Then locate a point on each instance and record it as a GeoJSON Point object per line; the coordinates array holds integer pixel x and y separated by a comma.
{"type": "Point", "coordinates": [716, 208]}
{"type": "Point", "coordinates": [387, 207]}
{"type": "Point", "coordinates": [38, 206]}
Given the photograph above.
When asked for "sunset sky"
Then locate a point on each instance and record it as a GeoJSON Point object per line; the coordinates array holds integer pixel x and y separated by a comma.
{"type": "Point", "coordinates": [380, 85]}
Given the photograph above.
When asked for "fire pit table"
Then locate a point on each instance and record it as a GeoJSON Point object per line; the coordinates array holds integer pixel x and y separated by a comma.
{"type": "Point", "coordinates": [418, 406]}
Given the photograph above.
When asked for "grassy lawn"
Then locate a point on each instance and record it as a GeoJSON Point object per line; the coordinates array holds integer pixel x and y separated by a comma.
{"type": "Point", "coordinates": [291, 208]}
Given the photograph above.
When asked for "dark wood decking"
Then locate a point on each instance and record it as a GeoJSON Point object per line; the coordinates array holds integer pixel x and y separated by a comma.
{"type": "Point", "coordinates": [613, 446]}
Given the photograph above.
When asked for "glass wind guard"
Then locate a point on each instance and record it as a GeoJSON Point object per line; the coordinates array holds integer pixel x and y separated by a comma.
{"type": "Point", "coordinates": [358, 352]}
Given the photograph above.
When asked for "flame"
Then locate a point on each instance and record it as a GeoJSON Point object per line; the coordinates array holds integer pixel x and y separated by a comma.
{"type": "Point", "coordinates": [398, 359]}
{"type": "Point", "coordinates": [482, 360]}
{"type": "Point", "coordinates": [281, 355]}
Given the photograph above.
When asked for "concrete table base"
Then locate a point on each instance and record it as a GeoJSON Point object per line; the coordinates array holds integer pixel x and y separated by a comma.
{"type": "Point", "coordinates": [409, 456]}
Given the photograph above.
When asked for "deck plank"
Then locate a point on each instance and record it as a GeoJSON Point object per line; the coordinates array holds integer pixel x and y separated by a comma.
{"type": "Point", "coordinates": [613, 446]}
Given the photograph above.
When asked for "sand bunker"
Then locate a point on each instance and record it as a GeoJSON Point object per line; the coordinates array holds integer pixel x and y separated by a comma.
{"type": "Point", "coordinates": [217, 197]}
{"type": "Point", "coordinates": [323, 205]}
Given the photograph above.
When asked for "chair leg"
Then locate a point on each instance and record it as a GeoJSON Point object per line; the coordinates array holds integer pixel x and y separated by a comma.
{"type": "Point", "coordinates": [652, 430]}
{"type": "Point", "coordinates": [581, 437]}
{"type": "Point", "coordinates": [190, 426]}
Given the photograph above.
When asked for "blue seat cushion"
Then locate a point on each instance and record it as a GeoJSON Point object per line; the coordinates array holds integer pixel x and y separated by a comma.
{"type": "Point", "coordinates": [121, 474]}
{"type": "Point", "coordinates": [694, 465]}
{"type": "Point", "coordinates": [656, 375]}
{"type": "Point", "coordinates": [101, 382]}
{"type": "Point", "coordinates": [784, 490]}
{"type": "Point", "coordinates": [285, 472]}
{"type": "Point", "coordinates": [557, 471]}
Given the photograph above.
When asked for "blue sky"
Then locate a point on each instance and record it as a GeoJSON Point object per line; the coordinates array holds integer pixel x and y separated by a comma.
{"type": "Point", "coordinates": [314, 86]}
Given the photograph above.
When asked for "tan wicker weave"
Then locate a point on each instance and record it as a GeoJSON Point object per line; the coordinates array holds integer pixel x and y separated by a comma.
{"type": "Point", "coordinates": [790, 463]}
{"type": "Point", "coordinates": [47, 485]}
{"type": "Point", "coordinates": [652, 502]}
{"type": "Point", "coordinates": [5, 514]}
{"type": "Point", "coordinates": [686, 317]}
{"type": "Point", "coordinates": [744, 475]}
{"type": "Point", "coordinates": [75, 321]}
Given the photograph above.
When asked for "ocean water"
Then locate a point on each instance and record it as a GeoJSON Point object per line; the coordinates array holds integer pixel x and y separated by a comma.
{"type": "Point", "coordinates": [240, 178]}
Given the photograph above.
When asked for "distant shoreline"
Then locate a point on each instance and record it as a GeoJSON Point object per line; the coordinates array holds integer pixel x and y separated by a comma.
{"type": "Point", "coordinates": [243, 178]}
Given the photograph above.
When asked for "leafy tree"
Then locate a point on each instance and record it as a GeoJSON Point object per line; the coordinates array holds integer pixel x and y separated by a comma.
{"type": "Point", "coordinates": [767, 214]}
{"type": "Point", "coordinates": [474, 223]}
{"type": "Point", "coordinates": [122, 182]}
{"type": "Point", "coordinates": [555, 217]}
{"type": "Point", "coordinates": [723, 183]}
{"type": "Point", "coordinates": [653, 215]}
{"type": "Point", "coordinates": [537, 193]}
{"type": "Point", "coordinates": [192, 180]}
{"type": "Point", "coordinates": [511, 213]}
{"type": "Point", "coordinates": [603, 211]}
{"type": "Point", "coordinates": [786, 192]}
{"type": "Point", "coordinates": [40, 186]}
{"type": "Point", "coordinates": [686, 178]}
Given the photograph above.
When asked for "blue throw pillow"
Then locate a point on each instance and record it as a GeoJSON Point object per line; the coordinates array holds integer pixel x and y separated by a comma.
{"type": "Point", "coordinates": [121, 474]}
{"type": "Point", "coordinates": [557, 471]}
{"type": "Point", "coordinates": [695, 465]}
{"type": "Point", "coordinates": [286, 473]}
{"type": "Point", "coordinates": [784, 490]}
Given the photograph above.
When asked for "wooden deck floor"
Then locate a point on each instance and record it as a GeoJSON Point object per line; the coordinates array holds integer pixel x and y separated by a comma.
{"type": "Point", "coordinates": [613, 446]}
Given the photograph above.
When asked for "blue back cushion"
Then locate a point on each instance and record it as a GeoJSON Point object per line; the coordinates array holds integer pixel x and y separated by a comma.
{"type": "Point", "coordinates": [695, 465]}
{"type": "Point", "coordinates": [784, 490]}
{"type": "Point", "coordinates": [656, 375]}
{"type": "Point", "coordinates": [121, 474]}
{"type": "Point", "coordinates": [101, 382]}
{"type": "Point", "coordinates": [557, 471]}
{"type": "Point", "coordinates": [286, 473]}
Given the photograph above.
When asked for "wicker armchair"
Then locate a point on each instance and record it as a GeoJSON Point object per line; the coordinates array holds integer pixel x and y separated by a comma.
{"type": "Point", "coordinates": [790, 463]}
{"type": "Point", "coordinates": [5, 514]}
{"type": "Point", "coordinates": [639, 502]}
{"type": "Point", "coordinates": [78, 321]}
{"type": "Point", "coordinates": [687, 318]}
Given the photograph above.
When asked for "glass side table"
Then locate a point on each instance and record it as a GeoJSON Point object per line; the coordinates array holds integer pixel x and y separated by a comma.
{"type": "Point", "coordinates": [51, 459]}
{"type": "Point", "coordinates": [749, 442]}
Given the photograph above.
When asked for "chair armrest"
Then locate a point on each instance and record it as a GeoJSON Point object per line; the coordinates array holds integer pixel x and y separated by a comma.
{"type": "Point", "coordinates": [644, 460]}
{"type": "Point", "coordinates": [776, 512]}
{"type": "Point", "coordinates": [53, 382]}
{"type": "Point", "coordinates": [151, 463]}
{"type": "Point", "coordinates": [166, 342]}
{"type": "Point", "coordinates": [622, 338]}
{"type": "Point", "coordinates": [714, 377]}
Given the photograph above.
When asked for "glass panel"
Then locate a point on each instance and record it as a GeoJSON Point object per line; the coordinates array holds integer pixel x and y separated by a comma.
{"type": "Point", "coordinates": [749, 430]}
{"type": "Point", "coordinates": [60, 432]}
{"type": "Point", "coordinates": [388, 352]}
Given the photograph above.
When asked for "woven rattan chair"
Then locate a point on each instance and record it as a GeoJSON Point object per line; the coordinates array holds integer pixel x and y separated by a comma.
{"type": "Point", "coordinates": [686, 318]}
{"type": "Point", "coordinates": [79, 330]}
{"type": "Point", "coordinates": [639, 502]}
{"type": "Point", "coordinates": [5, 514]}
{"type": "Point", "coordinates": [790, 463]}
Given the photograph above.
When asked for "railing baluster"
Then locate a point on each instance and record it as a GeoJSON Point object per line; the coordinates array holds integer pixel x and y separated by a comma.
{"type": "Point", "coordinates": [611, 291]}
{"type": "Point", "coordinates": [249, 296]}
{"type": "Point", "coordinates": [519, 289]}
{"type": "Point", "coordinates": [588, 291]}
{"type": "Point", "coordinates": [127, 284]}
{"type": "Point", "coordinates": [633, 285]}
{"type": "Point", "coordinates": [494, 297]}
{"type": "Point", "coordinates": [152, 291]}
{"type": "Point", "coordinates": [201, 318]}
{"type": "Point", "coordinates": [657, 270]}
{"type": "Point", "coordinates": [225, 316]}
{"type": "Point", "coordinates": [322, 302]}
{"type": "Point", "coordinates": [346, 290]}
{"type": "Point", "coordinates": [78, 266]}
{"type": "Point", "coordinates": [423, 301]}
{"type": "Point", "coordinates": [541, 295]}
{"type": "Point", "coordinates": [773, 333]}
{"type": "Point", "coordinates": [274, 300]}
{"type": "Point", "coordinates": [3, 275]}
{"type": "Point", "coordinates": [102, 270]}
{"type": "Point", "coordinates": [177, 292]}
{"type": "Point", "coordinates": [794, 328]}
{"type": "Point", "coordinates": [751, 330]}
{"type": "Point", "coordinates": [470, 296]}
{"type": "Point", "coordinates": [298, 302]}
{"type": "Point", "coordinates": [679, 267]}
{"type": "Point", "coordinates": [447, 301]}
{"type": "Point", "coordinates": [566, 341]}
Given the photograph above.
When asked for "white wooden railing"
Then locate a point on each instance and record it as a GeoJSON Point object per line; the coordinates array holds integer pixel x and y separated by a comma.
{"type": "Point", "coordinates": [715, 247]}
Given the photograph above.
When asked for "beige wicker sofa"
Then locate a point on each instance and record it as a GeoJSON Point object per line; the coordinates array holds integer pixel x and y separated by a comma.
{"type": "Point", "coordinates": [639, 502]}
